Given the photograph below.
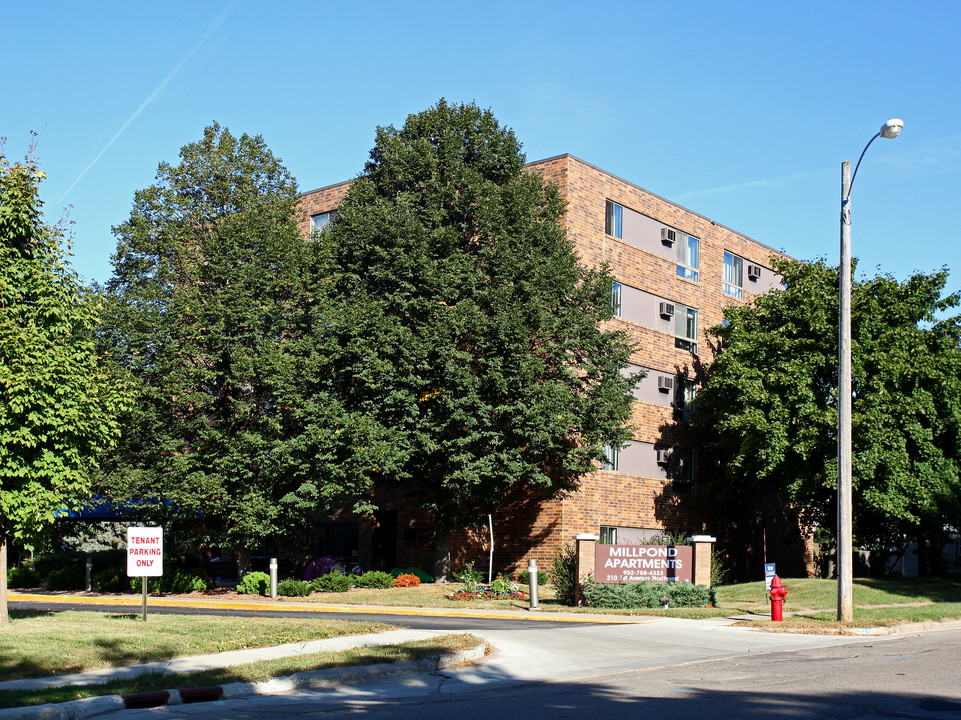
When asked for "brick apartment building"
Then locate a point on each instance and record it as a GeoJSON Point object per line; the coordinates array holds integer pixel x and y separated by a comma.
{"type": "Point", "coordinates": [675, 272]}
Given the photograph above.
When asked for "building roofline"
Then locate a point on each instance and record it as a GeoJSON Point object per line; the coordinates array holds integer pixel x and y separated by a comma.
{"type": "Point", "coordinates": [616, 177]}
{"type": "Point", "coordinates": [325, 187]}
{"type": "Point", "coordinates": [645, 190]}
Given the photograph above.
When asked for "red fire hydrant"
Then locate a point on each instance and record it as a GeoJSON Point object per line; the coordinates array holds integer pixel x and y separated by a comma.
{"type": "Point", "coordinates": [778, 593]}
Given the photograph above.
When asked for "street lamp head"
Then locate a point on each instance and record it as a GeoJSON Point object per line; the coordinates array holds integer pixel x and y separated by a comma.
{"type": "Point", "coordinates": [892, 128]}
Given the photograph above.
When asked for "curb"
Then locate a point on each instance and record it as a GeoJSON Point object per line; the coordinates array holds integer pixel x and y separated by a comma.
{"type": "Point", "coordinates": [328, 679]}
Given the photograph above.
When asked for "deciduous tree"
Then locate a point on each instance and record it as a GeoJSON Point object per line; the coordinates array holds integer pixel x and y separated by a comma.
{"type": "Point", "coordinates": [58, 405]}
{"type": "Point", "coordinates": [465, 322]}
{"type": "Point", "coordinates": [211, 312]}
{"type": "Point", "coordinates": [769, 410]}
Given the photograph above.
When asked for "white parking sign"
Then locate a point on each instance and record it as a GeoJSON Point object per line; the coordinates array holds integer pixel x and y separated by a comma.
{"type": "Point", "coordinates": [145, 552]}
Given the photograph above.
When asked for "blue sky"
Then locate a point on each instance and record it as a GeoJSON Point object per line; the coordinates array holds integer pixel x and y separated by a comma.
{"type": "Point", "coordinates": [740, 111]}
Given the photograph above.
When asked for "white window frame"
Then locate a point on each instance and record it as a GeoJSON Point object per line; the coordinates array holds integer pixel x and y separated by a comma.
{"type": "Point", "coordinates": [320, 221]}
{"type": "Point", "coordinates": [733, 275]}
{"type": "Point", "coordinates": [687, 254]}
{"type": "Point", "coordinates": [614, 220]}
{"type": "Point", "coordinates": [686, 340]}
{"type": "Point", "coordinates": [610, 461]}
{"type": "Point", "coordinates": [616, 298]}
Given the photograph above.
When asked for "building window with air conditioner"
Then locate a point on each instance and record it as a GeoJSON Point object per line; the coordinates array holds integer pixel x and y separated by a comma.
{"type": "Point", "coordinates": [733, 275]}
{"type": "Point", "coordinates": [614, 220]}
{"type": "Point", "coordinates": [685, 328]}
{"type": "Point", "coordinates": [681, 470]}
{"type": "Point", "coordinates": [687, 256]}
{"type": "Point", "coordinates": [684, 393]}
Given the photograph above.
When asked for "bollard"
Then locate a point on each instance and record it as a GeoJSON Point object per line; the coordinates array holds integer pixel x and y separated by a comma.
{"type": "Point", "coordinates": [273, 578]}
{"type": "Point", "coordinates": [532, 581]}
{"type": "Point", "coordinates": [89, 573]}
{"type": "Point", "coordinates": [778, 593]}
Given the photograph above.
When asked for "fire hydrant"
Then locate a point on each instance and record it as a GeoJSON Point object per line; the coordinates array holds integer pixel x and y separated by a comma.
{"type": "Point", "coordinates": [778, 593]}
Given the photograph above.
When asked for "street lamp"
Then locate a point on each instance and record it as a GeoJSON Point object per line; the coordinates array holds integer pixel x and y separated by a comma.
{"type": "Point", "coordinates": [845, 544]}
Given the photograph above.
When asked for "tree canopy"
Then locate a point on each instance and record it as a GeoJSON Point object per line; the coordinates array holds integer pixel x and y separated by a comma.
{"type": "Point", "coordinates": [58, 404]}
{"type": "Point", "coordinates": [465, 323]}
{"type": "Point", "coordinates": [211, 311]}
{"type": "Point", "coordinates": [769, 408]}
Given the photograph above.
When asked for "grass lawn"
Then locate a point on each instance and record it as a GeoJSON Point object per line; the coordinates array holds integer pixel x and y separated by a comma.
{"type": "Point", "coordinates": [253, 672]}
{"type": "Point", "coordinates": [39, 644]}
{"type": "Point", "coordinates": [906, 600]}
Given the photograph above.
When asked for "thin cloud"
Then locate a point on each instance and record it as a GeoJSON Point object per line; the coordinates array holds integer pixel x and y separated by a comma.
{"type": "Point", "coordinates": [786, 180]}
{"type": "Point", "coordinates": [150, 98]}
{"type": "Point", "coordinates": [931, 158]}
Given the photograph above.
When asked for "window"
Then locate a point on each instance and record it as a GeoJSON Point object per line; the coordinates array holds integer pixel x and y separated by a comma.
{"type": "Point", "coordinates": [608, 535]}
{"type": "Point", "coordinates": [320, 221]}
{"type": "Point", "coordinates": [610, 459]}
{"type": "Point", "coordinates": [733, 275]}
{"type": "Point", "coordinates": [681, 470]}
{"type": "Point", "coordinates": [614, 220]}
{"type": "Point", "coordinates": [616, 299]}
{"type": "Point", "coordinates": [684, 394]}
{"type": "Point", "coordinates": [687, 257]}
{"type": "Point", "coordinates": [685, 328]}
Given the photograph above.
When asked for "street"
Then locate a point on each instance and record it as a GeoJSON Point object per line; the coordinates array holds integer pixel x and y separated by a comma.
{"type": "Point", "coordinates": [659, 669]}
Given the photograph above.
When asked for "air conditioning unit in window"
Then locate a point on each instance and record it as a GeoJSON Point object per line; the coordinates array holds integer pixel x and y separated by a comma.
{"type": "Point", "coordinates": [663, 455]}
{"type": "Point", "coordinates": [665, 383]}
{"type": "Point", "coordinates": [668, 236]}
{"type": "Point", "coordinates": [753, 272]}
{"type": "Point", "coordinates": [666, 309]}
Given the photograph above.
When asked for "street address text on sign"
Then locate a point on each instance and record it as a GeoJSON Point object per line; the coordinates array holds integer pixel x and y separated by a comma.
{"type": "Point", "coordinates": [145, 551]}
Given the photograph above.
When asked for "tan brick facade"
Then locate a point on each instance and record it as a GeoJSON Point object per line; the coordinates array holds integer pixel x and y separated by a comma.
{"type": "Point", "coordinates": [526, 529]}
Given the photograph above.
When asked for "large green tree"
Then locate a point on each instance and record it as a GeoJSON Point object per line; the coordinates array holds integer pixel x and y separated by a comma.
{"type": "Point", "coordinates": [210, 310]}
{"type": "Point", "coordinates": [58, 405]}
{"type": "Point", "coordinates": [465, 322]}
{"type": "Point", "coordinates": [769, 409]}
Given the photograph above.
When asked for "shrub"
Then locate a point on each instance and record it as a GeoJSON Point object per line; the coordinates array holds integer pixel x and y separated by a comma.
{"type": "Point", "coordinates": [112, 580]}
{"type": "Point", "coordinates": [408, 580]}
{"type": "Point", "coordinates": [331, 582]}
{"type": "Point", "coordinates": [22, 577]}
{"type": "Point", "coordinates": [502, 586]}
{"type": "Point", "coordinates": [524, 577]}
{"type": "Point", "coordinates": [293, 588]}
{"type": "Point", "coordinates": [375, 579]}
{"type": "Point", "coordinates": [71, 577]}
{"type": "Point", "coordinates": [423, 576]}
{"type": "Point", "coordinates": [470, 577]}
{"type": "Point", "coordinates": [178, 581]}
{"type": "Point", "coordinates": [182, 581]}
{"type": "Point", "coordinates": [564, 573]}
{"type": "Point", "coordinates": [255, 583]}
{"type": "Point", "coordinates": [646, 595]}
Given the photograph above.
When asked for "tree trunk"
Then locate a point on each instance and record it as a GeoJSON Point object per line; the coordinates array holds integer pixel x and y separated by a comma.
{"type": "Point", "coordinates": [922, 555]}
{"type": "Point", "coordinates": [243, 562]}
{"type": "Point", "coordinates": [441, 556]}
{"type": "Point", "coordinates": [4, 617]}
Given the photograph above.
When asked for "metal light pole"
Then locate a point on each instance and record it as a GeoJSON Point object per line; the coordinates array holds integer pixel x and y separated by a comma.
{"type": "Point", "coordinates": [845, 543]}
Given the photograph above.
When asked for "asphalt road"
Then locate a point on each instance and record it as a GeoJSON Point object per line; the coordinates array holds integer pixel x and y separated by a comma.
{"type": "Point", "coordinates": [905, 677]}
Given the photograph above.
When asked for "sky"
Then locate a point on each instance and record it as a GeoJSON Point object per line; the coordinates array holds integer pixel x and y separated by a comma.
{"type": "Point", "coordinates": [740, 111]}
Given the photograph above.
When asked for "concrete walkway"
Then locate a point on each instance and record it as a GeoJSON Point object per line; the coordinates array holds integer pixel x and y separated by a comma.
{"type": "Point", "coordinates": [196, 663]}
